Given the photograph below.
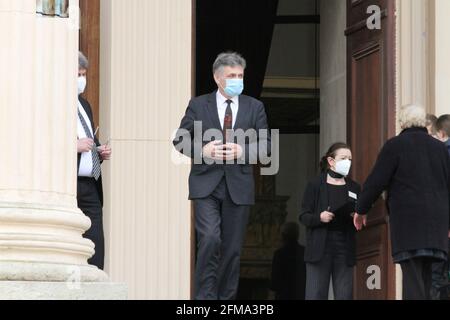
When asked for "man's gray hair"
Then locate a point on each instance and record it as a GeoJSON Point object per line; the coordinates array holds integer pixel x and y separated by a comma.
{"type": "Point", "coordinates": [83, 62]}
{"type": "Point", "coordinates": [228, 59]}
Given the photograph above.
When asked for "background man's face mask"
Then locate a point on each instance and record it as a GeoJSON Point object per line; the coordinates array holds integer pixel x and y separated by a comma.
{"type": "Point", "coordinates": [82, 82]}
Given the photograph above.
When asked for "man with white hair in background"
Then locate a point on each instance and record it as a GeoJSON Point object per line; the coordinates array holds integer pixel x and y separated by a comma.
{"type": "Point", "coordinates": [443, 130]}
{"type": "Point", "coordinates": [414, 169]}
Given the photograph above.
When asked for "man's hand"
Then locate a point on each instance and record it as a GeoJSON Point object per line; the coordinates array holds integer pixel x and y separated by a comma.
{"type": "Point", "coordinates": [359, 221]}
{"type": "Point", "coordinates": [449, 234]}
{"type": "Point", "coordinates": [234, 151]}
{"type": "Point", "coordinates": [105, 152]}
{"type": "Point", "coordinates": [85, 145]}
{"type": "Point", "coordinates": [222, 152]}
{"type": "Point", "coordinates": [326, 217]}
{"type": "Point", "coordinates": [212, 149]}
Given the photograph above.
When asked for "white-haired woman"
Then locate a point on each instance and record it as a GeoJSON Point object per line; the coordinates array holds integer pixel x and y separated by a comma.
{"type": "Point", "coordinates": [414, 169]}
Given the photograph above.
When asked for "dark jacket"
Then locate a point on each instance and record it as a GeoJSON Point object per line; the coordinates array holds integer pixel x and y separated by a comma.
{"type": "Point", "coordinates": [414, 169]}
{"type": "Point", "coordinates": [289, 272]}
{"type": "Point", "coordinates": [205, 177]}
{"type": "Point", "coordinates": [87, 108]}
{"type": "Point", "coordinates": [315, 201]}
{"type": "Point", "coordinates": [447, 144]}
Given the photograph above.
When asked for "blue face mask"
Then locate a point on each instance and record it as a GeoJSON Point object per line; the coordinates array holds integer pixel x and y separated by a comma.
{"type": "Point", "coordinates": [234, 87]}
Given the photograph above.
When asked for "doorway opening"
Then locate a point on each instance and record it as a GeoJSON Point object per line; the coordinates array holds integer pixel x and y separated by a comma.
{"type": "Point", "coordinates": [280, 40]}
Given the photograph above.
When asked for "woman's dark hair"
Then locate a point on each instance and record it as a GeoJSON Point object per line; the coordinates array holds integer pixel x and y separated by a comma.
{"type": "Point", "coordinates": [331, 153]}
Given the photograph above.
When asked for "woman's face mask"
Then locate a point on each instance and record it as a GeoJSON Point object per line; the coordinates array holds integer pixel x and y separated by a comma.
{"type": "Point", "coordinates": [342, 162]}
{"type": "Point", "coordinates": [343, 167]}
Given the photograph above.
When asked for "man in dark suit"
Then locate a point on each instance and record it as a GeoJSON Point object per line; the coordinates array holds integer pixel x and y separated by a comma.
{"type": "Point", "coordinates": [221, 182]}
{"type": "Point", "coordinates": [440, 287]}
{"type": "Point", "coordinates": [90, 156]}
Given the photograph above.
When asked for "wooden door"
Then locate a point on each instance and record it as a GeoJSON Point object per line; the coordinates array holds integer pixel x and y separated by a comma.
{"type": "Point", "coordinates": [371, 121]}
{"type": "Point", "coordinates": [90, 46]}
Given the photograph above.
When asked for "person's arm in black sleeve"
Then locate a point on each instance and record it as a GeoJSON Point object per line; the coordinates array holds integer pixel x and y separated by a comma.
{"type": "Point", "coordinates": [185, 134]}
{"type": "Point", "coordinates": [308, 216]}
{"type": "Point", "coordinates": [378, 180]}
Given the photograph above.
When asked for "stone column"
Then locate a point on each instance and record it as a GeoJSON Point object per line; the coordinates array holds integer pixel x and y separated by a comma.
{"type": "Point", "coordinates": [414, 54]}
{"type": "Point", "coordinates": [41, 243]}
{"type": "Point", "coordinates": [333, 73]}
{"type": "Point", "coordinates": [145, 85]}
{"type": "Point", "coordinates": [442, 54]}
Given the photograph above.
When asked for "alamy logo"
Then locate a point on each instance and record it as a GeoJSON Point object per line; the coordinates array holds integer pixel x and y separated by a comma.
{"type": "Point", "coordinates": [374, 21]}
{"type": "Point", "coordinates": [374, 280]}
{"type": "Point", "coordinates": [258, 146]}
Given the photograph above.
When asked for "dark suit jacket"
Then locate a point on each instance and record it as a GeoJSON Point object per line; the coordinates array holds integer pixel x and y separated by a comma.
{"type": "Point", "coordinates": [414, 168]}
{"type": "Point", "coordinates": [315, 201]}
{"type": "Point", "coordinates": [87, 108]}
{"type": "Point", "coordinates": [204, 177]}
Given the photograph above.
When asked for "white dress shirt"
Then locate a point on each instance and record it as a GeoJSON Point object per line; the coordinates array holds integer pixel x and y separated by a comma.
{"type": "Point", "coordinates": [86, 164]}
{"type": "Point", "coordinates": [222, 107]}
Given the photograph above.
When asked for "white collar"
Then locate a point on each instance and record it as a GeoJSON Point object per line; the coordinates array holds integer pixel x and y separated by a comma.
{"type": "Point", "coordinates": [221, 99]}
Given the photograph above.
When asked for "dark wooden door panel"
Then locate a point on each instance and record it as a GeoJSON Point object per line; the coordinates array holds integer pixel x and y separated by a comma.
{"type": "Point", "coordinates": [90, 46]}
{"type": "Point", "coordinates": [371, 110]}
{"type": "Point", "coordinates": [372, 251]}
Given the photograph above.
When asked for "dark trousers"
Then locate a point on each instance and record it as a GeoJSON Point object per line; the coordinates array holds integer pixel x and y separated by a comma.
{"type": "Point", "coordinates": [439, 280]}
{"type": "Point", "coordinates": [220, 228]}
{"type": "Point", "coordinates": [417, 278]}
{"type": "Point", "coordinates": [89, 202]}
{"type": "Point", "coordinates": [333, 265]}
{"type": "Point", "coordinates": [440, 287]}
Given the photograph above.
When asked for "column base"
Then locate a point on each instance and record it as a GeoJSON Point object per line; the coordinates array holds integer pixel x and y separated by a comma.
{"type": "Point", "coordinates": [27, 290]}
{"type": "Point", "coordinates": [37, 271]}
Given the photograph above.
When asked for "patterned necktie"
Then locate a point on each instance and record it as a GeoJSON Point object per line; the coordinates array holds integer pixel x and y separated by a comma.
{"type": "Point", "coordinates": [228, 122]}
{"type": "Point", "coordinates": [96, 170]}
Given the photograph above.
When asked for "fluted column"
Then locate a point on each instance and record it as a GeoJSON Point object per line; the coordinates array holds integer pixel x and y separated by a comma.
{"type": "Point", "coordinates": [40, 225]}
{"type": "Point", "coordinates": [442, 53]}
{"type": "Point", "coordinates": [145, 85]}
{"type": "Point", "coordinates": [414, 54]}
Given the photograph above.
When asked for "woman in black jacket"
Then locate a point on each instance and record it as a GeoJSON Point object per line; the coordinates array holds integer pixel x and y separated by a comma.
{"type": "Point", "coordinates": [328, 205]}
{"type": "Point", "coordinates": [414, 168]}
